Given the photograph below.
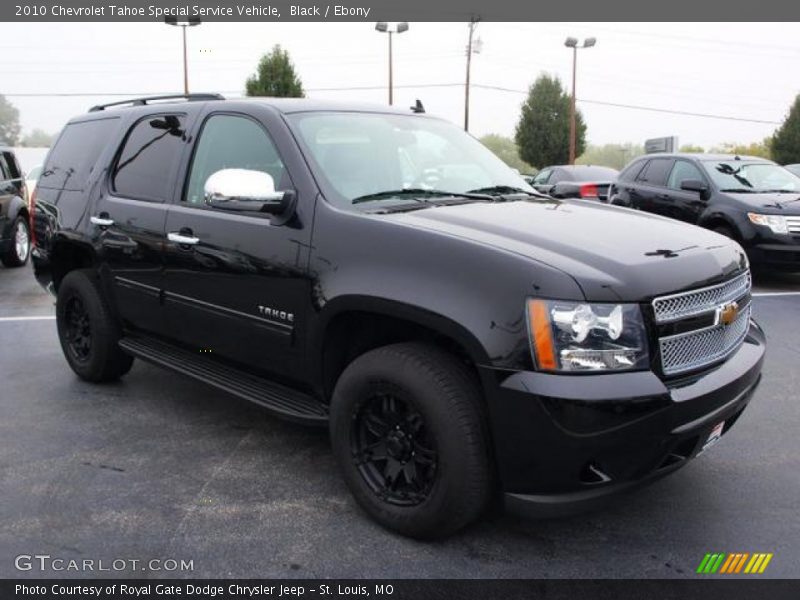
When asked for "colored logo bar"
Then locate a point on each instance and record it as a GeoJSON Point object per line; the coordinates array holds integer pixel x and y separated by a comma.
{"type": "Point", "coordinates": [734, 563]}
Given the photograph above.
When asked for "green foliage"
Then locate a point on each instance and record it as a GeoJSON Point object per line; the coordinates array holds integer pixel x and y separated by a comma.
{"type": "Point", "coordinates": [692, 149]}
{"type": "Point", "coordinates": [506, 150]}
{"type": "Point", "coordinates": [38, 138]}
{"type": "Point", "coordinates": [786, 141]}
{"type": "Point", "coordinates": [615, 156]}
{"type": "Point", "coordinates": [9, 123]}
{"type": "Point", "coordinates": [542, 133]}
{"type": "Point", "coordinates": [761, 149]}
{"type": "Point", "coordinates": [275, 77]}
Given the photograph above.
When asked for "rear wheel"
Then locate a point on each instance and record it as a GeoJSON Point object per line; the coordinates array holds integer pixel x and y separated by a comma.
{"type": "Point", "coordinates": [20, 248]}
{"type": "Point", "coordinates": [87, 331]}
{"type": "Point", "coordinates": [407, 430]}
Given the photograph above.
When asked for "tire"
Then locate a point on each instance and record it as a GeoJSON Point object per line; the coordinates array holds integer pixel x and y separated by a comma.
{"type": "Point", "coordinates": [416, 403]}
{"type": "Point", "coordinates": [724, 230]}
{"type": "Point", "coordinates": [87, 330]}
{"type": "Point", "coordinates": [20, 248]}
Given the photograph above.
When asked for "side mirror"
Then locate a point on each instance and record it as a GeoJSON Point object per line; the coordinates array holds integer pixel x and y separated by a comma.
{"type": "Point", "coordinates": [244, 190]}
{"type": "Point", "coordinates": [696, 185]}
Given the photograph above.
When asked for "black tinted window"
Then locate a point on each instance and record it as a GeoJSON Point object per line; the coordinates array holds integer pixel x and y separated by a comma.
{"type": "Point", "coordinates": [77, 149]}
{"type": "Point", "coordinates": [682, 171]}
{"type": "Point", "coordinates": [231, 142]}
{"type": "Point", "coordinates": [655, 173]}
{"type": "Point", "coordinates": [589, 173]}
{"type": "Point", "coordinates": [632, 170]}
{"type": "Point", "coordinates": [147, 160]}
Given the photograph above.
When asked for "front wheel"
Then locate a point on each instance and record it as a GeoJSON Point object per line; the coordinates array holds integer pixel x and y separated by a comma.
{"type": "Point", "coordinates": [408, 431]}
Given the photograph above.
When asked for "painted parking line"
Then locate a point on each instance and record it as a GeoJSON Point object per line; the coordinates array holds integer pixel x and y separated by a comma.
{"type": "Point", "coordinates": [765, 294]}
{"type": "Point", "coordinates": [11, 319]}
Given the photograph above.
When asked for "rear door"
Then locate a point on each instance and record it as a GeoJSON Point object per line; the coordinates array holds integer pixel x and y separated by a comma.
{"type": "Point", "coordinates": [684, 205]}
{"type": "Point", "coordinates": [130, 213]}
{"type": "Point", "coordinates": [649, 192]}
{"type": "Point", "coordinates": [239, 290]}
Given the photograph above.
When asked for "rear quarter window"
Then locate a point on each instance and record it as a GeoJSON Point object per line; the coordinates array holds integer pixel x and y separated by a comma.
{"type": "Point", "coordinates": [75, 154]}
{"type": "Point", "coordinates": [631, 171]}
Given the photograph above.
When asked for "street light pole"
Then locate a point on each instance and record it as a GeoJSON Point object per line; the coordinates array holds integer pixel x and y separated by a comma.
{"type": "Point", "coordinates": [384, 27]}
{"type": "Point", "coordinates": [183, 25]}
{"type": "Point", "coordinates": [472, 25]}
{"type": "Point", "coordinates": [572, 42]}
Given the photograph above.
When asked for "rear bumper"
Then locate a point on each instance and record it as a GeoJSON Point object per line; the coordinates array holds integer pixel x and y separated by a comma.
{"type": "Point", "coordinates": [568, 443]}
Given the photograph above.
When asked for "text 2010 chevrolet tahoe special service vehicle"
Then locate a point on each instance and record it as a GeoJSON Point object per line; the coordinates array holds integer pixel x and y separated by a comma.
{"type": "Point", "coordinates": [380, 271]}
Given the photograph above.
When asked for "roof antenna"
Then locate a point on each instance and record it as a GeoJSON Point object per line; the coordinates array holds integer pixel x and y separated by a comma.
{"type": "Point", "coordinates": [418, 108]}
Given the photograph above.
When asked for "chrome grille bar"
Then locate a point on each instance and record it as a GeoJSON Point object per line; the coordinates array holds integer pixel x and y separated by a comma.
{"type": "Point", "coordinates": [695, 302]}
{"type": "Point", "coordinates": [793, 223]}
{"type": "Point", "coordinates": [696, 349]}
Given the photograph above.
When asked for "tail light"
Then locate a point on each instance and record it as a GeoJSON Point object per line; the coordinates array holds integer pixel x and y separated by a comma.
{"type": "Point", "coordinates": [589, 191]}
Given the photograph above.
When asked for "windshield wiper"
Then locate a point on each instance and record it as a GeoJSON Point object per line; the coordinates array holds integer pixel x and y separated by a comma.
{"type": "Point", "coordinates": [740, 191]}
{"type": "Point", "coordinates": [418, 194]}
{"type": "Point", "coordinates": [498, 191]}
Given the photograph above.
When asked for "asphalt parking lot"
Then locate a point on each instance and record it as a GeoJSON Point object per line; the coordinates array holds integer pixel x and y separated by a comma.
{"type": "Point", "coordinates": [158, 466]}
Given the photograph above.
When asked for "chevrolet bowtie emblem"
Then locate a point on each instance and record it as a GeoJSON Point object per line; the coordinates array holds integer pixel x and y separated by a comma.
{"type": "Point", "coordinates": [727, 313]}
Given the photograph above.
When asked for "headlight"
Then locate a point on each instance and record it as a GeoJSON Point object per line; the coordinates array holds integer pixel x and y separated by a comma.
{"type": "Point", "coordinates": [776, 223]}
{"type": "Point", "coordinates": [576, 336]}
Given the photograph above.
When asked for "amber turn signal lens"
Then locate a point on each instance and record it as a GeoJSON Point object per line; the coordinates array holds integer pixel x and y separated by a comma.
{"type": "Point", "coordinates": [541, 334]}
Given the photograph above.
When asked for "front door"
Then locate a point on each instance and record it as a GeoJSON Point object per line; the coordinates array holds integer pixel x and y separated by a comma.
{"type": "Point", "coordinates": [235, 283]}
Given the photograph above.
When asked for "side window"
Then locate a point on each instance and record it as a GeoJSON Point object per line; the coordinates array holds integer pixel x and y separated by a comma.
{"type": "Point", "coordinates": [5, 171]}
{"type": "Point", "coordinates": [542, 176]}
{"type": "Point", "coordinates": [655, 173]}
{"type": "Point", "coordinates": [630, 173]}
{"type": "Point", "coordinates": [558, 175]}
{"type": "Point", "coordinates": [75, 154]}
{"type": "Point", "coordinates": [233, 142]}
{"type": "Point", "coordinates": [148, 158]}
{"type": "Point", "coordinates": [682, 171]}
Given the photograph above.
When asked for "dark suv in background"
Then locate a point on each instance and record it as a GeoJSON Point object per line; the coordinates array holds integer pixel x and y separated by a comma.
{"type": "Point", "coordinates": [14, 218]}
{"type": "Point", "coordinates": [380, 272]}
{"type": "Point", "coordinates": [749, 199]}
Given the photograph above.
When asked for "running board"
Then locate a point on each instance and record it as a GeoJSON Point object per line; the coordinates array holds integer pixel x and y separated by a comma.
{"type": "Point", "coordinates": [278, 399]}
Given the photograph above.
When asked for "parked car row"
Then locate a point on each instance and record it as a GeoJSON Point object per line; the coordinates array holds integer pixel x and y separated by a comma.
{"type": "Point", "coordinates": [749, 199]}
{"type": "Point", "coordinates": [16, 188]}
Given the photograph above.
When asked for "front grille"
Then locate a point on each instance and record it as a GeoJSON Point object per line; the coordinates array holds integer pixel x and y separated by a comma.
{"type": "Point", "coordinates": [698, 348]}
{"type": "Point", "coordinates": [696, 302]}
{"type": "Point", "coordinates": [793, 223]}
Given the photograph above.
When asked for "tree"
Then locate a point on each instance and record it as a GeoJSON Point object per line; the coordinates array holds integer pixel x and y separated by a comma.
{"type": "Point", "coordinates": [506, 150]}
{"type": "Point", "coordinates": [542, 133]}
{"type": "Point", "coordinates": [761, 149]}
{"type": "Point", "coordinates": [615, 156]}
{"type": "Point", "coordinates": [38, 138]}
{"type": "Point", "coordinates": [9, 122]}
{"type": "Point", "coordinates": [691, 148]}
{"type": "Point", "coordinates": [785, 144]}
{"type": "Point", "coordinates": [275, 77]}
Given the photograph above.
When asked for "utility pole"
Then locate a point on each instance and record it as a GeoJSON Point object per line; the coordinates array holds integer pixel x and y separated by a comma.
{"type": "Point", "coordinates": [572, 42]}
{"type": "Point", "coordinates": [472, 25]}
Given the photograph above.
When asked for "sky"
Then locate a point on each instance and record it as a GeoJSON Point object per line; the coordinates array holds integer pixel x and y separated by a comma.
{"type": "Point", "coordinates": [745, 71]}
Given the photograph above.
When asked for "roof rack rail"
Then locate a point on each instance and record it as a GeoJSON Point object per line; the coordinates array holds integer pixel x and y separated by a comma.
{"type": "Point", "coordinates": [147, 99]}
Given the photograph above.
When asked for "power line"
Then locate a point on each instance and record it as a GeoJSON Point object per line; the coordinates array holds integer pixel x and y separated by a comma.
{"type": "Point", "coordinates": [640, 107]}
{"type": "Point", "coordinates": [417, 86]}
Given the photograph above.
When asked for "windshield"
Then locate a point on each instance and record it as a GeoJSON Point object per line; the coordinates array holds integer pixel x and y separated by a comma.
{"type": "Point", "coordinates": [362, 156]}
{"type": "Point", "coordinates": [751, 177]}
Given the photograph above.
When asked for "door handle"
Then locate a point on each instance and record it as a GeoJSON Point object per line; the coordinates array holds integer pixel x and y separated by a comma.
{"type": "Point", "coordinates": [182, 239]}
{"type": "Point", "coordinates": [101, 221]}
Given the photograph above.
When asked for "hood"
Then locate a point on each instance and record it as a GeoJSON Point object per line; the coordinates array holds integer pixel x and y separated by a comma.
{"type": "Point", "coordinates": [614, 254]}
{"type": "Point", "coordinates": [779, 204]}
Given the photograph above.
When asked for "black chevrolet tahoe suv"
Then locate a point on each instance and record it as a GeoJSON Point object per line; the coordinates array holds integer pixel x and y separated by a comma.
{"type": "Point", "coordinates": [380, 272]}
{"type": "Point", "coordinates": [749, 199]}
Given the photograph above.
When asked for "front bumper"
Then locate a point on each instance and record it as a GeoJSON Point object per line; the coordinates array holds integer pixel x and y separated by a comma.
{"type": "Point", "coordinates": [566, 443]}
{"type": "Point", "coordinates": [779, 257]}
